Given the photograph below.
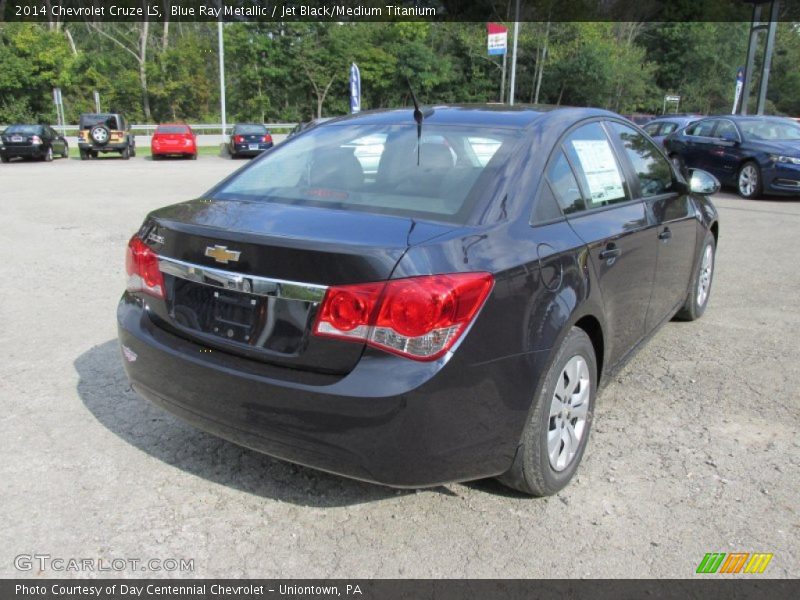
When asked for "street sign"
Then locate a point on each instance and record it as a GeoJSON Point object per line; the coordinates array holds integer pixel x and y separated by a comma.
{"type": "Point", "coordinates": [497, 38]}
{"type": "Point", "coordinates": [672, 98]}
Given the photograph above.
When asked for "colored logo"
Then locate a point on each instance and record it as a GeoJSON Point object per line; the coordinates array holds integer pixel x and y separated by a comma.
{"type": "Point", "coordinates": [735, 562]}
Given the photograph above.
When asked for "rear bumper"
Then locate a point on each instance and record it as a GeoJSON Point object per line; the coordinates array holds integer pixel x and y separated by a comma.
{"type": "Point", "coordinates": [244, 149]}
{"type": "Point", "coordinates": [25, 151]}
{"type": "Point", "coordinates": [111, 147]}
{"type": "Point", "coordinates": [173, 150]}
{"type": "Point", "coordinates": [390, 420]}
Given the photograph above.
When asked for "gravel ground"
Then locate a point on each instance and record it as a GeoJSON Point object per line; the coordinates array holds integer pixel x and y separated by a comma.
{"type": "Point", "coordinates": [695, 445]}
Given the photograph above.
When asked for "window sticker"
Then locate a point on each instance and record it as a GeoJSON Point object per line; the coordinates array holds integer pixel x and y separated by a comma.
{"type": "Point", "coordinates": [600, 169]}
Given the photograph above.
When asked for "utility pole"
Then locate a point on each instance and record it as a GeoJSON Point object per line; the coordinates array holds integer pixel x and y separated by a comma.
{"type": "Point", "coordinates": [514, 57]}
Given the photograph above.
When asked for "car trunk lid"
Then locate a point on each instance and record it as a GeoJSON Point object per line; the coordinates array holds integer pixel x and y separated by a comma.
{"type": "Point", "coordinates": [248, 277]}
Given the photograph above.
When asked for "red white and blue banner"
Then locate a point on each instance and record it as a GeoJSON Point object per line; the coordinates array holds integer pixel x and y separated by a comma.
{"type": "Point", "coordinates": [497, 38]}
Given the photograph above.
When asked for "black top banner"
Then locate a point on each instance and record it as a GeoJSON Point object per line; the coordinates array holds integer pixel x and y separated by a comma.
{"type": "Point", "coordinates": [393, 10]}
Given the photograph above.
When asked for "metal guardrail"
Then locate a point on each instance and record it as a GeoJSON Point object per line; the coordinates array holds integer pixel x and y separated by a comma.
{"type": "Point", "coordinates": [147, 129]}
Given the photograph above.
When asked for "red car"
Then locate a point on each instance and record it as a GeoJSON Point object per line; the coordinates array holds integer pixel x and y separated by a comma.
{"type": "Point", "coordinates": [174, 139]}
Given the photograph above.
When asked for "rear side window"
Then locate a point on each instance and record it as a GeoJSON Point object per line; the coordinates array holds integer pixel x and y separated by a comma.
{"type": "Point", "coordinates": [726, 129]}
{"type": "Point", "coordinates": [652, 169]}
{"type": "Point", "coordinates": [667, 128]}
{"type": "Point", "coordinates": [563, 184]}
{"type": "Point", "coordinates": [701, 128]}
{"type": "Point", "coordinates": [652, 128]}
{"type": "Point", "coordinates": [596, 166]}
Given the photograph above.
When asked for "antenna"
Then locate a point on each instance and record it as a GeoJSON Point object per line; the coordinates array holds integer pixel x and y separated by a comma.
{"type": "Point", "coordinates": [418, 116]}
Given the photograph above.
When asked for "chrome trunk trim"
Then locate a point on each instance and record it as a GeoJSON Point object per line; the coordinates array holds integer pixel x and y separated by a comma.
{"type": "Point", "coordinates": [250, 284]}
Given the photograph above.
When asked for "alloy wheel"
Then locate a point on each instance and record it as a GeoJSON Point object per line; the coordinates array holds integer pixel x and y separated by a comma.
{"type": "Point", "coordinates": [748, 180]}
{"type": "Point", "coordinates": [704, 279]}
{"type": "Point", "coordinates": [569, 410]}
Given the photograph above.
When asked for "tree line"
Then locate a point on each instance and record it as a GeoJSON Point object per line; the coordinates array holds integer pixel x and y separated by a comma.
{"type": "Point", "coordinates": [157, 72]}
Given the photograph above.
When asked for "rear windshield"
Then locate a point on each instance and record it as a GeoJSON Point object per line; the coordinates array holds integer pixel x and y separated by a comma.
{"type": "Point", "coordinates": [250, 129]}
{"type": "Point", "coordinates": [172, 129]}
{"type": "Point", "coordinates": [379, 168]}
{"type": "Point", "coordinates": [770, 129]}
{"type": "Point", "coordinates": [24, 129]}
{"type": "Point", "coordinates": [108, 120]}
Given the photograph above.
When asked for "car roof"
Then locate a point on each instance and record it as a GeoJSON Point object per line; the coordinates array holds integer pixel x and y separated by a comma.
{"type": "Point", "coordinates": [487, 115]}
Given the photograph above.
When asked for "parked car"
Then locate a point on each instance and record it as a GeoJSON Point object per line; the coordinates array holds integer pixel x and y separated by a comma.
{"type": "Point", "coordinates": [173, 139]}
{"type": "Point", "coordinates": [755, 154]}
{"type": "Point", "coordinates": [249, 139]}
{"type": "Point", "coordinates": [660, 127]}
{"type": "Point", "coordinates": [100, 133]}
{"type": "Point", "coordinates": [448, 319]}
{"type": "Point", "coordinates": [32, 141]}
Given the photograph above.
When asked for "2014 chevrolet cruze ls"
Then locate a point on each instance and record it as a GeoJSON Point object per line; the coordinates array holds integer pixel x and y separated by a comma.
{"type": "Point", "coordinates": [441, 306]}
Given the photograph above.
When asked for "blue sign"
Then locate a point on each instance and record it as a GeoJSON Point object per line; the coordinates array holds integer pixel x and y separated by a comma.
{"type": "Point", "coordinates": [355, 89]}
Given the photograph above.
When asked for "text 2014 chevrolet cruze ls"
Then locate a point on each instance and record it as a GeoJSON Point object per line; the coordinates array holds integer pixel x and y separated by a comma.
{"type": "Point", "coordinates": [443, 313]}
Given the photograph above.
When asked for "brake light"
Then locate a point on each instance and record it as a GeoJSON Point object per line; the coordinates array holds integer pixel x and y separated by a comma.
{"type": "Point", "coordinates": [36, 139]}
{"type": "Point", "coordinates": [417, 317]}
{"type": "Point", "coordinates": [238, 139]}
{"type": "Point", "coordinates": [141, 263]}
{"type": "Point", "coordinates": [267, 138]}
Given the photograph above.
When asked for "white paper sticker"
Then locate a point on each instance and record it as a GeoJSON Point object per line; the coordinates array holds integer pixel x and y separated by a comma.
{"type": "Point", "coordinates": [600, 168]}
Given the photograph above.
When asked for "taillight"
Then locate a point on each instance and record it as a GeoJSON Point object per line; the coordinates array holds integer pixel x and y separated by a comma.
{"type": "Point", "coordinates": [238, 139]}
{"type": "Point", "coordinates": [35, 139]}
{"type": "Point", "coordinates": [141, 264]}
{"type": "Point", "coordinates": [267, 139]}
{"type": "Point", "coordinates": [417, 317]}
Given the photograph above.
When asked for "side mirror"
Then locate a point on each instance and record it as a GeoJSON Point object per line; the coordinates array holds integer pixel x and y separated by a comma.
{"type": "Point", "coordinates": [703, 183]}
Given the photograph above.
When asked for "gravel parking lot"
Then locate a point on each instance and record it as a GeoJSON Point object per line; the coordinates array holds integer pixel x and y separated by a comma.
{"type": "Point", "coordinates": [695, 445]}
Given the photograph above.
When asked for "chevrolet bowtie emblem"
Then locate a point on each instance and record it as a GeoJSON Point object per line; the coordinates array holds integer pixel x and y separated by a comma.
{"type": "Point", "coordinates": [221, 254]}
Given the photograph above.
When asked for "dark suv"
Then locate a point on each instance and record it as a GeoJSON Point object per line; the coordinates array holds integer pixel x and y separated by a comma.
{"type": "Point", "coordinates": [105, 132]}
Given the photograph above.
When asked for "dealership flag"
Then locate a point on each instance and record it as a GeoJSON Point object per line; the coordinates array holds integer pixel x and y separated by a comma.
{"type": "Point", "coordinates": [738, 90]}
{"type": "Point", "coordinates": [355, 89]}
{"type": "Point", "coordinates": [497, 40]}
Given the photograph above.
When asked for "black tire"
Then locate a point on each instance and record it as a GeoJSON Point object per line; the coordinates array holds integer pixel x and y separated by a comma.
{"type": "Point", "coordinates": [749, 192]}
{"type": "Point", "coordinates": [84, 154]}
{"type": "Point", "coordinates": [4, 158]}
{"type": "Point", "coordinates": [133, 150]}
{"type": "Point", "coordinates": [125, 153]}
{"type": "Point", "coordinates": [65, 153]}
{"type": "Point", "coordinates": [694, 307]}
{"type": "Point", "coordinates": [680, 165]}
{"type": "Point", "coordinates": [532, 471]}
{"type": "Point", "coordinates": [193, 156]}
{"type": "Point", "coordinates": [48, 154]}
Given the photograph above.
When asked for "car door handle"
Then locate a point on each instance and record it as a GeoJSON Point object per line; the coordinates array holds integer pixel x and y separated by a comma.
{"type": "Point", "coordinates": [665, 235]}
{"type": "Point", "coordinates": [611, 251]}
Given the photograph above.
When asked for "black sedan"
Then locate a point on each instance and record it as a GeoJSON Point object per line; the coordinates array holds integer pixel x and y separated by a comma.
{"type": "Point", "coordinates": [32, 141]}
{"type": "Point", "coordinates": [446, 317]}
{"type": "Point", "coordinates": [757, 155]}
{"type": "Point", "coordinates": [249, 139]}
